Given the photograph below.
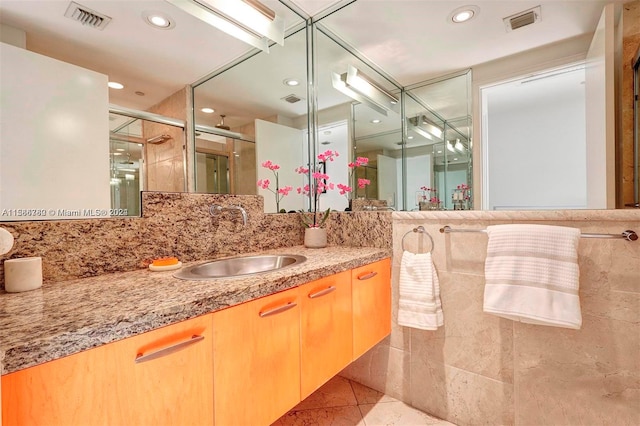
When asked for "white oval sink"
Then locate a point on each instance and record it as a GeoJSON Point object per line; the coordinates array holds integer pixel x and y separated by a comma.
{"type": "Point", "coordinates": [238, 266]}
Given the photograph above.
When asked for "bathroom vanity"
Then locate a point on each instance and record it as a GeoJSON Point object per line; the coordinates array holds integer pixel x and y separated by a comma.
{"type": "Point", "coordinates": [143, 347]}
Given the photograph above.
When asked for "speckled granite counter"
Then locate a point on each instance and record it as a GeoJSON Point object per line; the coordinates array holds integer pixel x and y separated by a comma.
{"type": "Point", "coordinates": [68, 317]}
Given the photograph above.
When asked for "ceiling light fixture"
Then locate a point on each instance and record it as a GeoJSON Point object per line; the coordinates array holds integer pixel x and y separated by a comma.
{"type": "Point", "coordinates": [361, 88]}
{"type": "Point", "coordinates": [376, 121]}
{"type": "Point", "coordinates": [158, 20]}
{"type": "Point", "coordinates": [115, 85]}
{"type": "Point", "coordinates": [246, 20]}
{"type": "Point", "coordinates": [291, 82]}
{"type": "Point", "coordinates": [208, 110]}
{"type": "Point", "coordinates": [463, 14]}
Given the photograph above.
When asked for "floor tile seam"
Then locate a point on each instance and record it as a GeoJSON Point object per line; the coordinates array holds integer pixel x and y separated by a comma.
{"type": "Point", "coordinates": [323, 407]}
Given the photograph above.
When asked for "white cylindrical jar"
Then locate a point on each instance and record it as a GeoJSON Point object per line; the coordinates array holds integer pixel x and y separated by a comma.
{"type": "Point", "coordinates": [22, 274]}
{"type": "Point", "coordinates": [315, 237]}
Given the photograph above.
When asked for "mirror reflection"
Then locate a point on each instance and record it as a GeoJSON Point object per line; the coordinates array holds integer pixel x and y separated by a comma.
{"type": "Point", "coordinates": [418, 154]}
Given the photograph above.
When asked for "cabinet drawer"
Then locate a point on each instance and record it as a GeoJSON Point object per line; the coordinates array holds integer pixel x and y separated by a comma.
{"type": "Point", "coordinates": [106, 385]}
{"type": "Point", "coordinates": [371, 289]}
{"type": "Point", "coordinates": [326, 330]}
{"type": "Point", "coordinates": [257, 360]}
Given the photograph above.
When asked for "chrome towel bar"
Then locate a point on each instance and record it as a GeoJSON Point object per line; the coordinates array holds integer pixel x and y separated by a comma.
{"type": "Point", "coordinates": [628, 235]}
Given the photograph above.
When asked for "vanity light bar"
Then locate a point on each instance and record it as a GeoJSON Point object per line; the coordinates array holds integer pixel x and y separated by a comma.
{"type": "Point", "coordinates": [249, 21]}
{"type": "Point", "coordinates": [361, 88]}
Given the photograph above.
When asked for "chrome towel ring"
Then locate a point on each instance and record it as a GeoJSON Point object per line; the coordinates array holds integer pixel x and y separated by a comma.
{"type": "Point", "coordinates": [419, 230]}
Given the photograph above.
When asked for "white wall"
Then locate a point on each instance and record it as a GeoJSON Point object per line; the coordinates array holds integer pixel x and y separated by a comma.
{"type": "Point", "coordinates": [283, 146]}
{"type": "Point", "coordinates": [419, 170]}
{"type": "Point", "coordinates": [535, 143]}
{"type": "Point", "coordinates": [555, 55]}
{"type": "Point", "coordinates": [600, 85]}
{"type": "Point", "coordinates": [337, 170]}
{"type": "Point", "coordinates": [54, 138]}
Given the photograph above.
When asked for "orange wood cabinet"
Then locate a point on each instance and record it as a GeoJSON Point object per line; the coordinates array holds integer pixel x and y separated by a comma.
{"type": "Point", "coordinates": [106, 386]}
{"type": "Point", "coordinates": [326, 339]}
{"type": "Point", "coordinates": [371, 291]}
{"type": "Point", "coordinates": [257, 360]}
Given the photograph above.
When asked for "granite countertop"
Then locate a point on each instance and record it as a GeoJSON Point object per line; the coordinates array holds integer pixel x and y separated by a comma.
{"type": "Point", "coordinates": [67, 317]}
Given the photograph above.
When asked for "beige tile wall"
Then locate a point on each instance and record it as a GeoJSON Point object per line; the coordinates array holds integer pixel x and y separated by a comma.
{"type": "Point", "coordinates": [165, 162]}
{"type": "Point", "coordinates": [482, 369]}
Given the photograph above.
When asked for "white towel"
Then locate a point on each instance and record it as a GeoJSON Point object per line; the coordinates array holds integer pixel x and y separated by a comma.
{"type": "Point", "coordinates": [532, 274]}
{"type": "Point", "coordinates": [420, 305]}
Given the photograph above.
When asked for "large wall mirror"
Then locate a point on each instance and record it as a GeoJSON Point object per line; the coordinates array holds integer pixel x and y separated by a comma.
{"type": "Point", "coordinates": [414, 139]}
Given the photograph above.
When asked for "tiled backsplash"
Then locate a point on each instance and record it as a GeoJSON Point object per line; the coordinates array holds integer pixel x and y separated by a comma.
{"type": "Point", "coordinates": [482, 369]}
{"type": "Point", "coordinates": [176, 224]}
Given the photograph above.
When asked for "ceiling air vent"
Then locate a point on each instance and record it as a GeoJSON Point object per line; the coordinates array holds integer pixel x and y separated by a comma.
{"type": "Point", "coordinates": [522, 19]}
{"type": "Point", "coordinates": [292, 99]}
{"type": "Point", "coordinates": [86, 16]}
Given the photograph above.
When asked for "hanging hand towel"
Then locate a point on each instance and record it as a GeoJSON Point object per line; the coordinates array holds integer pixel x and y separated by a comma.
{"type": "Point", "coordinates": [420, 305]}
{"type": "Point", "coordinates": [532, 274]}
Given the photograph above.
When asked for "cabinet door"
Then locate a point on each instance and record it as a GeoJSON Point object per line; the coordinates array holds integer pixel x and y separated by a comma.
{"type": "Point", "coordinates": [105, 385]}
{"type": "Point", "coordinates": [326, 330]}
{"type": "Point", "coordinates": [256, 360]}
{"type": "Point", "coordinates": [371, 287]}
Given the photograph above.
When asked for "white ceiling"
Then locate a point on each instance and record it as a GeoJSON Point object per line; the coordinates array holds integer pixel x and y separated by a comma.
{"type": "Point", "coordinates": [411, 40]}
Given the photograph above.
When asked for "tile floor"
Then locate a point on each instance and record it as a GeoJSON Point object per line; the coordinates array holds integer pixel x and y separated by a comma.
{"type": "Point", "coordinates": [341, 402]}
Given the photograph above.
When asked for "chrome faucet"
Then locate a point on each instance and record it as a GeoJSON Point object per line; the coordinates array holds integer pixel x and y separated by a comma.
{"type": "Point", "coordinates": [215, 208]}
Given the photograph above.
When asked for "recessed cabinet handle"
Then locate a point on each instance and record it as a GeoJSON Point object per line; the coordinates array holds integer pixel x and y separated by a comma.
{"type": "Point", "coordinates": [367, 275]}
{"type": "Point", "coordinates": [322, 292]}
{"type": "Point", "coordinates": [168, 350]}
{"type": "Point", "coordinates": [278, 309]}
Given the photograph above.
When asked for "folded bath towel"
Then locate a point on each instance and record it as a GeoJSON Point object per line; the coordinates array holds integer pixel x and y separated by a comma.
{"type": "Point", "coordinates": [420, 305]}
{"type": "Point", "coordinates": [532, 274]}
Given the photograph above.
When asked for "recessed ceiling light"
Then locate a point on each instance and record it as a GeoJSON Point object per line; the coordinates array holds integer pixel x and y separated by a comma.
{"type": "Point", "coordinates": [158, 20]}
{"type": "Point", "coordinates": [455, 159]}
{"type": "Point", "coordinates": [120, 149]}
{"type": "Point", "coordinates": [463, 14]}
{"type": "Point", "coordinates": [291, 82]}
{"type": "Point", "coordinates": [208, 110]}
{"type": "Point", "coordinates": [439, 152]}
{"type": "Point", "coordinates": [139, 93]}
{"type": "Point", "coordinates": [376, 121]}
{"type": "Point", "coordinates": [115, 85]}
{"type": "Point", "coordinates": [409, 137]}
{"type": "Point", "coordinates": [117, 153]}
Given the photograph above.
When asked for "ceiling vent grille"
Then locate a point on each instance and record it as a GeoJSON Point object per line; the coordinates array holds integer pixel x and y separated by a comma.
{"type": "Point", "coordinates": [522, 19]}
{"type": "Point", "coordinates": [292, 99]}
{"type": "Point", "coordinates": [86, 16]}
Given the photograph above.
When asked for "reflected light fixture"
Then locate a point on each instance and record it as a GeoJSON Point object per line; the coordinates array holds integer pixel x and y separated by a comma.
{"type": "Point", "coordinates": [450, 147]}
{"type": "Point", "coordinates": [426, 128]}
{"type": "Point", "coordinates": [246, 20]}
{"type": "Point", "coordinates": [291, 82]}
{"type": "Point", "coordinates": [459, 146]}
{"type": "Point", "coordinates": [361, 88]}
{"type": "Point", "coordinates": [207, 110]}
